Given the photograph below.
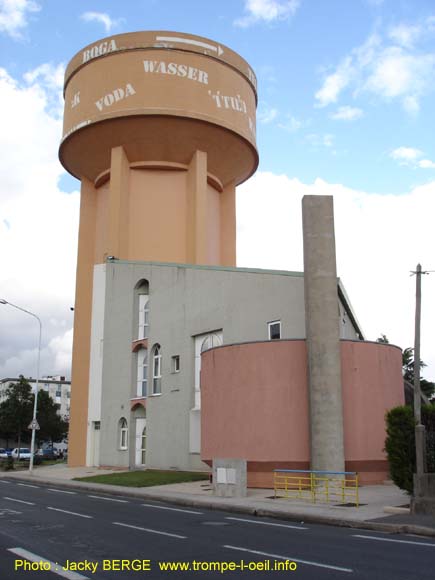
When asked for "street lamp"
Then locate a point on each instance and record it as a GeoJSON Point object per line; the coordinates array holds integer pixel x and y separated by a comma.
{"type": "Point", "coordinates": [35, 404]}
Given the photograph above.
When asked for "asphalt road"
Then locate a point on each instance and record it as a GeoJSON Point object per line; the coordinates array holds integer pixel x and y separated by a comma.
{"type": "Point", "coordinates": [78, 535]}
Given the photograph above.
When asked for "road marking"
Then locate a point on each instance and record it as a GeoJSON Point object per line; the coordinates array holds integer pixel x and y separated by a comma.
{"type": "Point", "coordinates": [279, 557]}
{"type": "Point", "coordinates": [56, 568]}
{"type": "Point", "coordinates": [150, 530]}
{"type": "Point", "coordinates": [19, 500]}
{"type": "Point", "coordinates": [109, 498]}
{"type": "Point", "coordinates": [161, 507]}
{"type": "Point", "coordinates": [70, 513]}
{"type": "Point", "coordinates": [7, 482]}
{"type": "Point", "coordinates": [62, 491]}
{"type": "Point", "coordinates": [391, 540]}
{"type": "Point", "coordinates": [28, 485]}
{"type": "Point", "coordinates": [267, 523]}
{"type": "Point", "coordinates": [217, 49]}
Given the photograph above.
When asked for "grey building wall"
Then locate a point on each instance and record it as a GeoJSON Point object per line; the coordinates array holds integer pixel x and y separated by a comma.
{"type": "Point", "coordinates": [184, 301]}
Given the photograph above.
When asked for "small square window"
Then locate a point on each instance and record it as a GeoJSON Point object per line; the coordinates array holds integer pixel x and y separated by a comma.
{"type": "Point", "coordinates": [274, 330]}
{"type": "Point", "coordinates": [176, 363]}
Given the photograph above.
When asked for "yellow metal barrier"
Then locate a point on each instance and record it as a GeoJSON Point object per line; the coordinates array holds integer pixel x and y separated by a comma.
{"type": "Point", "coordinates": [317, 486]}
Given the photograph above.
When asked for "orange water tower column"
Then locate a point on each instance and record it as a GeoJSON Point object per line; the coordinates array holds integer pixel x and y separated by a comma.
{"type": "Point", "coordinates": [160, 128]}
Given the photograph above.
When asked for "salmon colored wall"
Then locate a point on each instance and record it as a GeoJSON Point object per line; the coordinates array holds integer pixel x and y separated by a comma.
{"type": "Point", "coordinates": [254, 402]}
{"type": "Point", "coordinates": [255, 405]}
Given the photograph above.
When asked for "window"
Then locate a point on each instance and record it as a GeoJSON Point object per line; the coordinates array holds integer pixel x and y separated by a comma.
{"type": "Point", "coordinates": [142, 373]}
{"type": "Point", "coordinates": [176, 363]}
{"type": "Point", "coordinates": [58, 393]}
{"type": "Point", "coordinates": [157, 370]}
{"type": "Point", "coordinates": [144, 313]}
{"type": "Point", "coordinates": [274, 330]}
{"type": "Point", "coordinates": [143, 446]}
{"type": "Point", "coordinates": [123, 433]}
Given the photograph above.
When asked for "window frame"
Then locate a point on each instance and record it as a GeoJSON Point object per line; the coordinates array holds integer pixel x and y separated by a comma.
{"type": "Point", "coordinates": [123, 434]}
{"type": "Point", "coordinates": [157, 370]}
{"type": "Point", "coordinates": [175, 363]}
{"type": "Point", "coordinates": [269, 328]}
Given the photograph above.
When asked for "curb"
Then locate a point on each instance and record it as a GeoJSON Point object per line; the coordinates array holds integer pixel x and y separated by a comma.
{"type": "Point", "coordinates": [215, 504]}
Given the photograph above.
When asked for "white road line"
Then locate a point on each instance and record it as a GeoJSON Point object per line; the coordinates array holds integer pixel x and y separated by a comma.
{"type": "Point", "coordinates": [70, 513]}
{"type": "Point", "coordinates": [150, 530]}
{"type": "Point", "coordinates": [161, 507]}
{"type": "Point", "coordinates": [396, 541]}
{"type": "Point", "coordinates": [109, 498]}
{"type": "Point", "coordinates": [7, 482]}
{"type": "Point", "coordinates": [280, 557]}
{"type": "Point", "coordinates": [19, 500]}
{"type": "Point", "coordinates": [62, 491]}
{"type": "Point", "coordinates": [56, 568]}
{"type": "Point", "coordinates": [28, 485]}
{"type": "Point", "coordinates": [266, 523]}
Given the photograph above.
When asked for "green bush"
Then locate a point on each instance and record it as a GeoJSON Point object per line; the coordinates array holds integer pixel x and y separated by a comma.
{"type": "Point", "coordinates": [400, 442]}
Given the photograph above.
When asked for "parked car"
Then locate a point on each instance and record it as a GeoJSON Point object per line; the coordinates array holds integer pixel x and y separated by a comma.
{"type": "Point", "coordinates": [3, 453]}
{"type": "Point", "coordinates": [47, 454]}
{"type": "Point", "coordinates": [24, 453]}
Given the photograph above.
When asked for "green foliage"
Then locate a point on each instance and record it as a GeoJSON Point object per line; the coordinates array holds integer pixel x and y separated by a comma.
{"type": "Point", "coordinates": [52, 427]}
{"type": "Point", "coordinates": [400, 442]}
{"type": "Point", "coordinates": [16, 410]}
{"type": "Point", "coordinates": [427, 387]}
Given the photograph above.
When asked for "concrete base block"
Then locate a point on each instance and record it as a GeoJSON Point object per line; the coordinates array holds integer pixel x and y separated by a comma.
{"type": "Point", "coordinates": [229, 477]}
{"type": "Point", "coordinates": [423, 501]}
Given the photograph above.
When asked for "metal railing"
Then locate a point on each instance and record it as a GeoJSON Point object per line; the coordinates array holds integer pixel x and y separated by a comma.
{"type": "Point", "coordinates": [317, 486]}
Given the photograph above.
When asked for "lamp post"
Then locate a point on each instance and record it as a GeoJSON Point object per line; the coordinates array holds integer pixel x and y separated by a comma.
{"type": "Point", "coordinates": [35, 404]}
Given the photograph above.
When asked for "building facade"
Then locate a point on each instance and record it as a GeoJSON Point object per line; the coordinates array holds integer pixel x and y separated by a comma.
{"type": "Point", "coordinates": [160, 129]}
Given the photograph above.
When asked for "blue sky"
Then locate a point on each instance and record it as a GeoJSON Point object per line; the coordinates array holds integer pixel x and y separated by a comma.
{"type": "Point", "coordinates": [346, 107]}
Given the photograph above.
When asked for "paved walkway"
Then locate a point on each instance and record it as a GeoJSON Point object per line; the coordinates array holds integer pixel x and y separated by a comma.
{"type": "Point", "coordinates": [382, 506]}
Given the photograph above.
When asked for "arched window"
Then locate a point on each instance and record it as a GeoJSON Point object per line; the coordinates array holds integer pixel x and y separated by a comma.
{"type": "Point", "coordinates": [211, 341]}
{"type": "Point", "coordinates": [142, 289]}
{"type": "Point", "coordinates": [142, 372]}
{"type": "Point", "coordinates": [123, 433]}
{"type": "Point", "coordinates": [157, 370]}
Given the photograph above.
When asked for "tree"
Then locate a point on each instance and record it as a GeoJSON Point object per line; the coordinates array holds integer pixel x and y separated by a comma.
{"type": "Point", "coordinates": [383, 339]}
{"type": "Point", "coordinates": [427, 387]}
{"type": "Point", "coordinates": [51, 426]}
{"type": "Point", "coordinates": [16, 410]}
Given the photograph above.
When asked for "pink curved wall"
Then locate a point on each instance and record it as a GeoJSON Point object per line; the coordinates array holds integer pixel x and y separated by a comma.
{"type": "Point", "coordinates": [255, 405]}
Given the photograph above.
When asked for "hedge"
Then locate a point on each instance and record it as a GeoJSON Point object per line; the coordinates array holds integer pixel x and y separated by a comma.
{"type": "Point", "coordinates": [400, 443]}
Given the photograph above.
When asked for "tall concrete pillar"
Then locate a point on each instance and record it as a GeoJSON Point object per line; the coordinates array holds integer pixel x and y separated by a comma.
{"type": "Point", "coordinates": [323, 335]}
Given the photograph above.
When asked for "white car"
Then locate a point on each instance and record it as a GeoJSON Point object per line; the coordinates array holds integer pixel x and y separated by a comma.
{"type": "Point", "coordinates": [24, 453]}
{"type": "Point", "coordinates": [3, 453]}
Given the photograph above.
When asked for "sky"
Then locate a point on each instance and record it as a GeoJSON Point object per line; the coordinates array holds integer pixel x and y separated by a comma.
{"type": "Point", "coordinates": [346, 108]}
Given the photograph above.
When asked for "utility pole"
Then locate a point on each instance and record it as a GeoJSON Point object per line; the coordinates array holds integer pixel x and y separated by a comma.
{"type": "Point", "coordinates": [420, 435]}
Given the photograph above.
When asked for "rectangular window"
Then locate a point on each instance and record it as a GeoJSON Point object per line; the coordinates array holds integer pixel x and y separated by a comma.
{"type": "Point", "coordinates": [58, 393]}
{"type": "Point", "coordinates": [176, 363]}
{"type": "Point", "coordinates": [274, 329]}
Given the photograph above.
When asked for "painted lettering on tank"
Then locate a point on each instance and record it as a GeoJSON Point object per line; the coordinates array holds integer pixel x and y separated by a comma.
{"type": "Point", "coordinates": [75, 100]}
{"type": "Point", "coordinates": [99, 49]}
{"type": "Point", "coordinates": [115, 96]}
{"type": "Point", "coordinates": [176, 69]}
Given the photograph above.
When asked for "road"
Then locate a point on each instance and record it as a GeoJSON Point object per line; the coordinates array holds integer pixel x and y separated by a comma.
{"type": "Point", "coordinates": [77, 534]}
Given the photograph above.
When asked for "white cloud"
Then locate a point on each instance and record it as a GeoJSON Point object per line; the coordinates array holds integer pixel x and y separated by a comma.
{"type": "Point", "coordinates": [426, 164]}
{"type": "Point", "coordinates": [405, 35]}
{"type": "Point", "coordinates": [13, 15]}
{"type": "Point", "coordinates": [316, 140]}
{"type": "Point", "coordinates": [406, 154]}
{"type": "Point", "coordinates": [347, 114]}
{"type": "Point", "coordinates": [292, 124]}
{"type": "Point", "coordinates": [267, 115]}
{"type": "Point", "coordinates": [103, 18]}
{"type": "Point", "coordinates": [388, 71]}
{"type": "Point", "coordinates": [267, 11]}
{"type": "Point", "coordinates": [38, 225]}
{"type": "Point", "coordinates": [380, 238]}
{"type": "Point", "coordinates": [409, 156]}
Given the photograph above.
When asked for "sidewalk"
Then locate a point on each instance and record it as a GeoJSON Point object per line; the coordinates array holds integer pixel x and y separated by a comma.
{"type": "Point", "coordinates": [381, 506]}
